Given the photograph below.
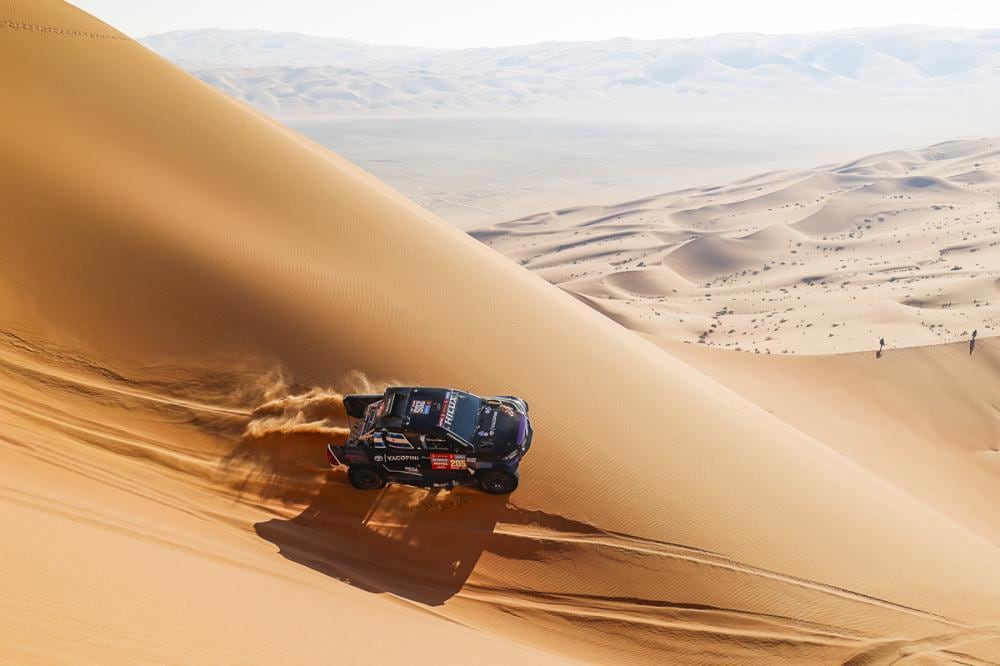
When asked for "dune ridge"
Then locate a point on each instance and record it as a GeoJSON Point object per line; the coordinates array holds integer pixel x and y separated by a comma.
{"type": "Point", "coordinates": [186, 262]}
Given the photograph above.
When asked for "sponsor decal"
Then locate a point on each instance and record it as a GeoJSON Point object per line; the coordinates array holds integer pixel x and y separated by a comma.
{"type": "Point", "coordinates": [448, 410]}
{"type": "Point", "coordinates": [448, 461]}
{"type": "Point", "coordinates": [397, 440]}
{"type": "Point", "coordinates": [401, 457]}
{"type": "Point", "coordinates": [420, 407]}
{"type": "Point", "coordinates": [378, 458]}
{"type": "Point", "coordinates": [493, 423]}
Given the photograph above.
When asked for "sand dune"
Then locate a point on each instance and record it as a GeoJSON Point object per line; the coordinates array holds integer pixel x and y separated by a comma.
{"type": "Point", "coordinates": [181, 268]}
{"type": "Point", "coordinates": [902, 245]}
{"type": "Point", "coordinates": [920, 418]}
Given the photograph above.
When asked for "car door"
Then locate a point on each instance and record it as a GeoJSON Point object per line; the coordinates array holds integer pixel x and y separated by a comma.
{"type": "Point", "coordinates": [402, 458]}
{"type": "Point", "coordinates": [447, 457]}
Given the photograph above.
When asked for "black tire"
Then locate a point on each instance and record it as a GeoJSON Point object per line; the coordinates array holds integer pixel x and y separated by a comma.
{"type": "Point", "coordinates": [498, 482]}
{"type": "Point", "coordinates": [365, 478]}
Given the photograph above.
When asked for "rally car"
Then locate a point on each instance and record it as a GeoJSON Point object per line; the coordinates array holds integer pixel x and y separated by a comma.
{"type": "Point", "coordinates": [434, 437]}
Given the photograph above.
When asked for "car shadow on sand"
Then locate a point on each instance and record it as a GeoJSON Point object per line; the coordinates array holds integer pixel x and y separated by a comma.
{"type": "Point", "coordinates": [418, 544]}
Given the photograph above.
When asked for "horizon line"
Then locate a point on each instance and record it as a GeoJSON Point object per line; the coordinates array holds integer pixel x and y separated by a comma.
{"type": "Point", "coordinates": [853, 29]}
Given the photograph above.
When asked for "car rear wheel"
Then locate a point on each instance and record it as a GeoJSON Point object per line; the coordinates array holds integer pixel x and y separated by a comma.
{"type": "Point", "coordinates": [365, 478]}
{"type": "Point", "coordinates": [498, 482]}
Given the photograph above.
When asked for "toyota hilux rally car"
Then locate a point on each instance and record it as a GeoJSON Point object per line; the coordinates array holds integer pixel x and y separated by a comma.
{"type": "Point", "coordinates": [434, 437]}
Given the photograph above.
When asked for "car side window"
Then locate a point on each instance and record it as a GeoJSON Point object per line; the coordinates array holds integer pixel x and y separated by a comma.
{"type": "Point", "coordinates": [436, 442]}
{"type": "Point", "coordinates": [458, 446]}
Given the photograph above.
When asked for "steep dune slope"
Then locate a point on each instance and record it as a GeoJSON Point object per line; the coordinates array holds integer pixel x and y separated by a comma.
{"type": "Point", "coordinates": [175, 260]}
{"type": "Point", "coordinates": [925, 418]}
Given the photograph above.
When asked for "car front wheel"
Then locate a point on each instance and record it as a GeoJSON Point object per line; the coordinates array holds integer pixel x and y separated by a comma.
{"type": "Point", "coordinates": [365, 478]}
{"type": "Point", "coordinates": [498, 482]}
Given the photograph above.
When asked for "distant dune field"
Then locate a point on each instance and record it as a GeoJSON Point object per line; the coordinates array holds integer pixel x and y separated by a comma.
{"type": "Point", "coordinates": [903, 246]}
{"type": "Point", "coordinates": [187, 287]}
{"type": "Point", "coordinates": [290, 73]}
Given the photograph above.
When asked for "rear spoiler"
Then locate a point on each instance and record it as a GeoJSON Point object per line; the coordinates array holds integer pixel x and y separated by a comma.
{"type": "Point", "coordinates": [355, 405]}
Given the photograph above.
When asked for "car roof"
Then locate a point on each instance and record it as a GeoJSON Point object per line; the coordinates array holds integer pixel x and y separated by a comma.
{"type": "Point", "coordinates": [414, 406]}
{"type": "Point", "coordinates": [419, 407]}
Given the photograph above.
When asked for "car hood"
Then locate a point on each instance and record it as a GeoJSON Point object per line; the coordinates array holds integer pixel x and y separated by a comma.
{"type": "Point", "coordinates": [501, 424]}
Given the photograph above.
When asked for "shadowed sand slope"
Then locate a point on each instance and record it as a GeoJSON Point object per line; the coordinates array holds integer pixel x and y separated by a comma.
{"type": "Point", "coordinates": [902, 245]}
{"type": "Point", "coordinates": [184, 290]}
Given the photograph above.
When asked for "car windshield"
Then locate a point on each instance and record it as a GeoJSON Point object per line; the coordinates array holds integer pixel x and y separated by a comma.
{"type": "Point", "coordinates": [460, 414]}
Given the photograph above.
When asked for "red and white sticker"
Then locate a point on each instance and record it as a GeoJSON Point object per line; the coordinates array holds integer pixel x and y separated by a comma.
{"type": "Point", "coordinates": [448, 461]}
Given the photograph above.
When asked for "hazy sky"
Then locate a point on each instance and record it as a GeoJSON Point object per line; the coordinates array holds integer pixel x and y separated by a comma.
{"type": "Point", "coordinates": [460, 23]}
